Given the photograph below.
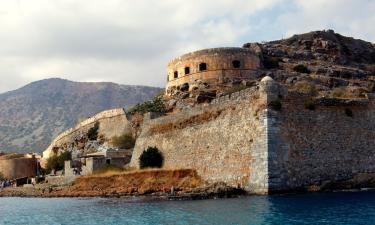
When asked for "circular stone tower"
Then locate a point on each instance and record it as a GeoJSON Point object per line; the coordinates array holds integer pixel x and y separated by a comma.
{"type": "Point", "coordinates": [212, 66]}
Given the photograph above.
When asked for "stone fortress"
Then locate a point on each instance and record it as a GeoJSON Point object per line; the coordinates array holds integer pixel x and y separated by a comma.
{"type": "Point", "coordinates": [286, 131]}
{"type": "Point", "coordinates": [212, 66]}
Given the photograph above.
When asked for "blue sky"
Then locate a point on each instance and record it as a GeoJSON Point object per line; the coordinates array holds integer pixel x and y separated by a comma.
{"type": "Point", "coordinates": [130, 42]}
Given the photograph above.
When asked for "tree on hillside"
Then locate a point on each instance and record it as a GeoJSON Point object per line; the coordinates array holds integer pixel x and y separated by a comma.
{"type": "Point", "coordinates": [125, 141]}
{"type": "Point", "coordinates": [92, 133]}
{"type": "Point", "coordinates": [56, 162]}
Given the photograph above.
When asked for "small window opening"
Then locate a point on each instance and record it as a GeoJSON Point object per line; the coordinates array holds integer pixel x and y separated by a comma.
{"type": "Point", "coordinates": [108, 161]}
{"type": "Point", "coordinates": [236, 64]}
{"type": "Point", "coordinates": [175, 74]}
{"type": "Point", "coordinates": [187, 70]}
{"type": "Point", "coordinates": [202, 67]}
{"type": "Point", "coordinates": [167, 77]}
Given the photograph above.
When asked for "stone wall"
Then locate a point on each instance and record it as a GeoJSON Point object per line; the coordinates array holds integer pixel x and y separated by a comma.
{"type": "Point", "coordinates": [219, 63]}
{"type": "Point", "coordinates": [18, 168]}
{"type": "Point", "coordinates": [112, 122]}
{"type": "Point", "coordinates": [223, 141]}
{"type": "Point", "coordinates": [311, 147]}
{"type": "Point", "coordinates": [244, 141]}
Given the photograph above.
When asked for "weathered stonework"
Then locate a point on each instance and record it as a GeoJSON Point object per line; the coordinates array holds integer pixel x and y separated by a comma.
{"type": "Point", "coordinates": [245, 141]}
{"type": "Point", "coordinates": [223, 141]}
{"type": "Point", "coordinates": [220, 64]}
{"type": "Point", "coordinates": [112, 122]}
{"type": "Point", "coordinates": [18, 167]}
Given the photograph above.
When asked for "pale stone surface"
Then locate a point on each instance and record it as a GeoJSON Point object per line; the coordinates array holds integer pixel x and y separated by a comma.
{"type": "Point", "coordinates": [227, 147]}
{"type": "Point", "coordinates": [219, 63]}
{"type": "Point", "coordinates": [112, 122]}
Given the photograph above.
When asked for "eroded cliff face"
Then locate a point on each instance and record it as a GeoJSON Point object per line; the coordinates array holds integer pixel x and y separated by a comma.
{"type": "Point", "coordinates": [111, 123]}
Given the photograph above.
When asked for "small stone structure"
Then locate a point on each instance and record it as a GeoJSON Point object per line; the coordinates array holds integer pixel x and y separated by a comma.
{"type": "Point", "coordinates": [212, 66]}
{"type": "Point", "coordinates": [90, 163]}
{"type": "Point", "coordinates": [19, 167]}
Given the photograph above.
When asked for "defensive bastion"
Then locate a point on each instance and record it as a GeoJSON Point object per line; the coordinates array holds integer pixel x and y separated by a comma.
{"type": "Point", "coordinates": [112, 122]}
{"type": "Point", "coordinates": [264, 139]}
{"type": "Point", "coordinates": [212, 66]}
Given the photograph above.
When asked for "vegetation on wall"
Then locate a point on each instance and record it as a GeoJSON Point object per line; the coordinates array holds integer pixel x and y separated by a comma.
{"type": "Point", "coordinates": [151, 158]}
{"type": "Point", "coordinates": [125, 141]}
{"type": "Point", "coordinates": [348, 112]}
{"type": "Point", "coordinates": [56, 162]}
{"type": "Point", "coordinates": [92, 133]}
{"type": "Point", "coordinates": [310, 104]}
{"type": "Point", "coordinates": [154, 105]}
{"type": "Point", "coordinates": [275, 105]}
{"type": "Point", "coordinates": [305, 87]}
{"type": "Point", "coordinates": [235, 88]}
{"type": "Point", "coordinates": [271, 62]}
{"type": "Point", "coordinates": [2, 176]}
{"type": "Point", "coordinates": [301, 69]}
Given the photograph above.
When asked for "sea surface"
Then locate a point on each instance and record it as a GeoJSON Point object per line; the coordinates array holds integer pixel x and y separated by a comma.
{"type": "Point", "coordinates": [323, 208]}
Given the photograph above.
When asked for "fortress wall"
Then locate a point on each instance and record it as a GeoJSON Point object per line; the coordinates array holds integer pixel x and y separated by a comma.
{"type": "Point", "coordinates": [18, 168]}
{"type": "Point", "coordinates": [221, 141]}
{"type": "Point", "coordinates": [219, 66]}
{"type": "Point", "coordinates": [312, 147]}
{"type": "Point", "coordinates": [112, 122]}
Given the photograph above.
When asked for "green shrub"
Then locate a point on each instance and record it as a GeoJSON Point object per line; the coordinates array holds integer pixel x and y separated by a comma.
{"type": "Point", "coordinates": [92, 133]}
{"type": "Point", "coordinates": [371, 87]}
{"type": "Point", "coordinates": [2, 176]}
{"type": "Point", "coordinates": [301, 69]}
{"type": "Point", "coordinates": [56, 162]}
{"type": "Point", "coordinates": [305, 87]}
{"type": "Point", "coordinates": [109, 169]}
{"type": "Point", "coordinates": [235, 88]}
{"type": "Point", "coordinates": [348, 112]}
{"type": "Point", "coordinates": [155, 105]}
{"type": "Point", "coordinates": [125, 141]}
{"type": "Point", "coordinates": [275, 105]}
{"type": "Point", "coordinates": [271, 62]}
{"type": "Point", "coordinates": [151, 158]}
{"type": "Point", "coordinates": [341, 93]}
{"type": "Point", "coordinates": [310, 104]}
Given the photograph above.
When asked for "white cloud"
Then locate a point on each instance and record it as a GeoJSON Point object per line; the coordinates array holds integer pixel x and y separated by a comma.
{"type": "Point", "coordinates": [130, 42]}
{"type": "Point", "coordinates": [350, 17]}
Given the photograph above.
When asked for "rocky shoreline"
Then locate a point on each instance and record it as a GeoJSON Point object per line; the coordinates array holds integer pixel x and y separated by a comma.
{"type": "Point", "coordinates": [208, 192]}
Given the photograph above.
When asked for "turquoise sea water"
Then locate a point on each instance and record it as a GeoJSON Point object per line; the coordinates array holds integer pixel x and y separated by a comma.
{"type": "Point", "coordinates": [326, 208]}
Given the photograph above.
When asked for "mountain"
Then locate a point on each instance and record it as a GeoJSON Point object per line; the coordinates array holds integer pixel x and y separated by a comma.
{"type": "Point", "coordinates": [32, 115]}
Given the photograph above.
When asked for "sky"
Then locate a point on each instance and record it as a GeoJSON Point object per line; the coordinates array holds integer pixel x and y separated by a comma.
{"type": "Point", "coordinates": [131, 41]}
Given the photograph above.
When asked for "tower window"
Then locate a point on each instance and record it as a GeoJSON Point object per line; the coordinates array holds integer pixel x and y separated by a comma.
{"type": "Point", "coordinates": [202, 66]}
{"type": "Point", "coordinates": [236, 64]}
{"type": "Point", "coordinates": [167, 77]}
{"type": "Point", "coordinates": [175, 74]}
{"type": "Point", "coordinates": [187, 70]}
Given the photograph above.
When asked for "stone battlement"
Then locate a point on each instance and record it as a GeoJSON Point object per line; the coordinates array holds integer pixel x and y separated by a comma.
{"type": "Point", "coordinates": [90, 121]}
{"type": "Point", "coordinates": [212, 66]}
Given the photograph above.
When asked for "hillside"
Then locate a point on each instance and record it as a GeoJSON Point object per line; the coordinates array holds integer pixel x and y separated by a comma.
{"type": "Point", "coordinates": [335, 64]}
{"type": "Point", "coordinates": [32, 115]}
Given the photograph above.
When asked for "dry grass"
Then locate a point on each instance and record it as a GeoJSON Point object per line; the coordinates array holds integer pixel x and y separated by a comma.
{"type": "Point", "coordinates": [305, 87]}
{"type": "Point", "coordinates": [130, 182]}
{"type": "Point", "coordinates": [180, 124]}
